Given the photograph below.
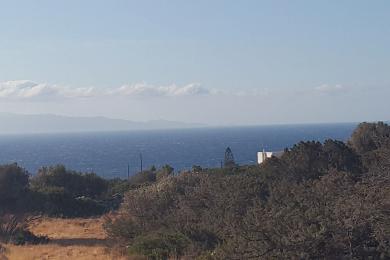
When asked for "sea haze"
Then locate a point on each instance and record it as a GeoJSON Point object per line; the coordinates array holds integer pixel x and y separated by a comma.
{"type": "Point", "coordinates": [41, 123]}
{"type": "Point", "coordinates": [108, 153]}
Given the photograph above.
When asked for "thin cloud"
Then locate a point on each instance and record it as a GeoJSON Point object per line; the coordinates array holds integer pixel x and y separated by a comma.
{"type": "Point", "coordinates": [145, 90]}
{"type": "Point", "coordinates": [263, 92]}
{"type": "Point", "coordinates": [331, 89]}
{"type": "Point", "coordinates": [26, 89]}
{"type": "Point", "coordinates": [29, 90]}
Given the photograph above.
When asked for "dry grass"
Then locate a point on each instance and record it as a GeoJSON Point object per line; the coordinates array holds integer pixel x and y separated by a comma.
{"type": "Point", "coordinates": [82, 239]}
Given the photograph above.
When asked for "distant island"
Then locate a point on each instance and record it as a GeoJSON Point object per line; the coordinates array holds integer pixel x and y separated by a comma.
{"type": "Point", "coordinates": [49, 123]}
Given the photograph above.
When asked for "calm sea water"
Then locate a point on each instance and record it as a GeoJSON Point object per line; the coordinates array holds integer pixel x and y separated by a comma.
{"type": "Point", "coordinates": [108, 154]}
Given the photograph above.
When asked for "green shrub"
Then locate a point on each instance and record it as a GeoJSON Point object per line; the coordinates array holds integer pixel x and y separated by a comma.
{"type": "Point", "coordinates": [74, 183]}
{"type": "Point", "coordinates": [160, 245]}
{"type": "Point", "coordinates": [123, 229]}
{"type": "Point", "coordinates": [117, 187]}
{"type": "Point", "coordinates": [310, 160]}
{"type": "Point", "coordinates": [13, 185]}
{"type": "Point", "coordinates": [22, 237]}
{"type": "Point", "coordinates": [54, 201]}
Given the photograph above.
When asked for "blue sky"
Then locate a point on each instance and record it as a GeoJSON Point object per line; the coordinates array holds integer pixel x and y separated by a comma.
{"type": "Point", "coordinates": [215, 62]}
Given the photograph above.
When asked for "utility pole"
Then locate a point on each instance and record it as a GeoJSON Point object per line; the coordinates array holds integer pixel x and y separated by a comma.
{"type": "Point", "coordinates": [140, 158]}
{"type": "Point", "coordinates": [128, 171]}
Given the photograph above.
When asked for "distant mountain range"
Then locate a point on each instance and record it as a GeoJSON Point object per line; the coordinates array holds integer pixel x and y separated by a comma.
{"type": "Point", "coordinates": [47, 123]}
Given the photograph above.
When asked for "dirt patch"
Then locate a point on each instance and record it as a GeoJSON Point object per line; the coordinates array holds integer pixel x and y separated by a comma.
{"type": "Point", "coordinates": [82, 239]}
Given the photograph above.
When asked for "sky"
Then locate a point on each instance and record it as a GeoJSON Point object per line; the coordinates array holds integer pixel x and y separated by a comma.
{"type": "Point", "coordinates": [213, 62]}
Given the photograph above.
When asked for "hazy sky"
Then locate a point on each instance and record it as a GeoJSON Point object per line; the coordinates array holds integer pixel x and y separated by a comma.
{"type": "Point", "coordinates": [215, 62]}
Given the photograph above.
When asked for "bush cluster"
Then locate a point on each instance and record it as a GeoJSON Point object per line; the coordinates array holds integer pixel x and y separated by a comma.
{"type": "Point", "coordinates": [57, 191]}
{"type": "Point", "coordinates": [54, 191]}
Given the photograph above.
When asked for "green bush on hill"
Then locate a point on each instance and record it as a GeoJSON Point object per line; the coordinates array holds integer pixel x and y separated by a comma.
{"type": "Point", "coordinates": [57, 191]}
{"type": "Point", "coordinates": [13, 186]}
{"type": "Point", "coordinates": [70, 182]}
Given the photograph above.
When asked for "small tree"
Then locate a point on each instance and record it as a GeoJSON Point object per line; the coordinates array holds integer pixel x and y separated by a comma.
{"type": "Point", "coordinates": [13, 184]}
{"type": "Point", "coordinates": [164, 172]}
{"type": "Point", "coordinates": [229, 158]}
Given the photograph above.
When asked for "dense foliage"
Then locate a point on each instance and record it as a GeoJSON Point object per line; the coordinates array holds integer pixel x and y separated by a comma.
{"type": "Point", "coordinates": [54, 191]}
{"type": "Point", "coordinates": [326, 200]}
{"type": "Point", "coordinates": [59, 192]}
{"type": "Point", "coordinates": [71, 182]}
{"type": "Point", "coordinates": [13, 185]}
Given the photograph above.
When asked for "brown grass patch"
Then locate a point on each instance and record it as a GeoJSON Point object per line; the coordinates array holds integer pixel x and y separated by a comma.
{"type": "Point", "coordinates": [82, 239]}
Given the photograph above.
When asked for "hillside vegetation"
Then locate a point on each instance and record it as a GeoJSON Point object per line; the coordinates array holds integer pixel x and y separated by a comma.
{"type": "Point", "coordinates": [327, 200]}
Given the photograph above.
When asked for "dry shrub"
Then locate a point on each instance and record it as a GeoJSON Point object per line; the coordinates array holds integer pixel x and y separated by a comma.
{"type": "Point", "coordinates": [14, 229]}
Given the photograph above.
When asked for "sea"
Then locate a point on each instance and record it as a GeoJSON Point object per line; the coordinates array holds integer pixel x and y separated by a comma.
{"type": "Point", "coordinates": [109, 154]}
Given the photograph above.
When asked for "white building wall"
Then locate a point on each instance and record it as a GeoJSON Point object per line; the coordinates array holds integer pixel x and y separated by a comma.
{"type": "Point", "coordinates": [262, 156]}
